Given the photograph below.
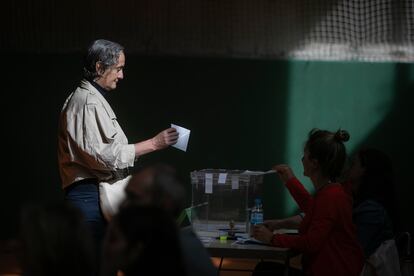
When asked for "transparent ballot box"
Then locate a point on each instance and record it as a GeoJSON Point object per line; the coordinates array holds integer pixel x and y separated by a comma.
{"type": "Point", "coordinates": [221, 199]}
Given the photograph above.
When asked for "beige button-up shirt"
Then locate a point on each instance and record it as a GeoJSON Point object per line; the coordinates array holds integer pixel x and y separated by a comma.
{"type": "Point", "coordinates": [91, 142]}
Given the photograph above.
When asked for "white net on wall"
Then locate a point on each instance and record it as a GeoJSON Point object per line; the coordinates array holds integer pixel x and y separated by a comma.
{"type": "Point", "coordinates": [360, 29]}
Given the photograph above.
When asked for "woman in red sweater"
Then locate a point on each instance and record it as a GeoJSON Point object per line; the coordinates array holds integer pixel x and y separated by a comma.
{"type": "Point", "coordinates": [327, 235]}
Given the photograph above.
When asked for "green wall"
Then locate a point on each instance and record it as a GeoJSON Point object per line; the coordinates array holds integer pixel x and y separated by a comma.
{"type": "Point", "coordinates": [244, 114]}
{"type": "Point", "coordinates": [353, 96]}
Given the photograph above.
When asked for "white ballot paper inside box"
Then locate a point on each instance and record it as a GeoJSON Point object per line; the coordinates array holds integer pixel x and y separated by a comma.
{"type": "Point", "coordinates": [183, 137]}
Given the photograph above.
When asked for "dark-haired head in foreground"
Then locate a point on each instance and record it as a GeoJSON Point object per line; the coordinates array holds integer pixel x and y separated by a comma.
{"type": "Point", "coordinates": [55, 241]}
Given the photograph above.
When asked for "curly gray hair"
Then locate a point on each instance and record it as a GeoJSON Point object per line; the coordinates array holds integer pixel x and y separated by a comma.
{"type": "Point", "coordinates": [104, 51]}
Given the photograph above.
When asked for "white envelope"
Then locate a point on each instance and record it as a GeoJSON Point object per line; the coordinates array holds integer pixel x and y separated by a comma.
{"type": "Point", "coordinates": [183, 137]}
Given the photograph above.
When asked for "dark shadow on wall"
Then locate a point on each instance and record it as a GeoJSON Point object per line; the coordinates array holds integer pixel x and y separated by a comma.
{"type": "Point", "coordinates": [35, 88]}
{"type": "Point", "coordinates": [395, 136]}
{"type": "Point", "coordinates": [234, 108]}
{"type": "Point", "coordinates": [218, 28]}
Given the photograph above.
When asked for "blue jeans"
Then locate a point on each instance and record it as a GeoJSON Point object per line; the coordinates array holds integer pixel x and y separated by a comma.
{"type": "Point", "coordinates": [84, 195]}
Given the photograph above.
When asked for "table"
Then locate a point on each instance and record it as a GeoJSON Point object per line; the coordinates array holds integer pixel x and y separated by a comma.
{"type": "Point", "coordinates": [231, 249]}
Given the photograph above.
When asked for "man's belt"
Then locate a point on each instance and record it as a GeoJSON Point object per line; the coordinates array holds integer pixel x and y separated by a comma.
{"type": "Point", "coordinates": [120, 174]}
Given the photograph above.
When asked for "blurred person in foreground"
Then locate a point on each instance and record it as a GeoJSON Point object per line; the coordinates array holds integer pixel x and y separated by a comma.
{"type": "Point", "coordinates": [143, 240]}
{"type": "Point", "coordinates": [55, 241]}
{"type": "Point", "coordinates": [158, 185]}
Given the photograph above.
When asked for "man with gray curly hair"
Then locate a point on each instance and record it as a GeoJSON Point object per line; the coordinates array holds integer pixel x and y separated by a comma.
{"type": "Point", "coordinates": [92, 148]}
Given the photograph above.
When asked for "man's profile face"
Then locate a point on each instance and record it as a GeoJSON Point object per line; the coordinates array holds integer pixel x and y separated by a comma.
{"type": "Point", "coordinates": [112, 75]}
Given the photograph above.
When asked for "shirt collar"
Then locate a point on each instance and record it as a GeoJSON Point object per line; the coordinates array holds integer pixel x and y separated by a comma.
{"type": "Point", "coordinates": [100, 89]}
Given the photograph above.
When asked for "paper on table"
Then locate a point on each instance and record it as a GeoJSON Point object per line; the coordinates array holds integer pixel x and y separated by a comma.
{"type": "Point", "coordinates": [235, 182]}
{"type": "Point", "coordinates": [183, 136]}
{"type": "Point", "coordinates": [247, 172]}
{"type": "Point", "coordinates": [209, 183]}
{"type": "Point", "coordinates": [286, 231]}
{"type": "Point", "coordinates": [250, 240]}
{"type": "Point", "coordinates": [222, 178]}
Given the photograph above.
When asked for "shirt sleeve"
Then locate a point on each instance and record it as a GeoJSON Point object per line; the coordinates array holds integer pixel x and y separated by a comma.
{"type": "Point", "coordinates": [347, 187]}
{"type": "Point", "coordinates": [302, 197]}
{"type": "Point", "coordinates": [102, 148]}
{"type": "Point", "coordinates": [323, 221]}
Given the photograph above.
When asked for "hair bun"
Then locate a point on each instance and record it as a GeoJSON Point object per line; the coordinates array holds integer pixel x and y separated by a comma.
{"type": "Point", "coordinates": [342, 135]}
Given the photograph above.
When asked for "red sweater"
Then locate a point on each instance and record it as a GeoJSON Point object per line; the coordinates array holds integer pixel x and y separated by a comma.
{"type": "Point", "coordinates": [327, 235]}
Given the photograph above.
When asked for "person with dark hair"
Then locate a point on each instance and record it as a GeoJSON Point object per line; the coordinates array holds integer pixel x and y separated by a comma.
{"type": "Point", "coordinates": [158, 185]}
{"type": "Point", "coordinates": [55, 241]}
{"type": "Point", "coordinates": [327, 238]}
{"type": "Point", "coordinates": [370, 181]}
{"type": "Point", "coordinates": [143, 240]}
{"type": "Point", "coordinates": [92, 147]}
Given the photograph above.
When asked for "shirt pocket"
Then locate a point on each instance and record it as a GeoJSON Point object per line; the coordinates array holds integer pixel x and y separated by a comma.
{"type": "Point", "coordinates": [109, 131]}
{"type": "Point", "coordinates": [106, 125]}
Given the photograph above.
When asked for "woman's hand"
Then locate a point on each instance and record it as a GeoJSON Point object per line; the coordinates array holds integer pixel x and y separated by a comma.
{"type": "Point", "coordinates": [285, 223]}
{"type": "Point", "coordinates": [273, 224]}
{"type": "Point", "coordinates": [284, 171]}
{"type": "Point", "coordinates": [262, 233]}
